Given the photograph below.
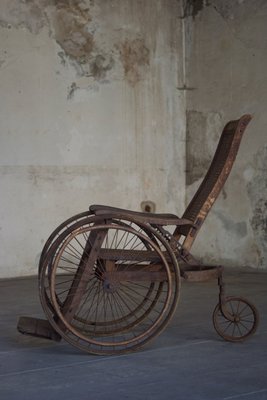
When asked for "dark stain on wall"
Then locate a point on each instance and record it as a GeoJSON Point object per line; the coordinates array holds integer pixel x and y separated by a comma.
{"type": "Point", "coordinates": [259, 219]}
{"type": "Point", "coordinates": [70, 30]}
{"type": "Point", "coordinates": [71, 25]}
{"type": "Point", "coordinates": [203, 130]}
{"type": "Point", "coordinates": [257, 192]}
{"type": "Point", "coordinates": [259, 226]}
{"type": "Point", "coordinates": [100, 65]}
{"type": "Point", "coordinates": [71, 90]}
{"type": "Point", "coordinates": [193, 7]}
{"type": "Point", "coordinates": [134, 56]}
{"type": "Point", "coordinates": [197, 158]}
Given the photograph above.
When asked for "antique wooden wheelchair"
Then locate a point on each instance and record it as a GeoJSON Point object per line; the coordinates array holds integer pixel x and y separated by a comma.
{"type": "Point", "coordinates": [109, 278]}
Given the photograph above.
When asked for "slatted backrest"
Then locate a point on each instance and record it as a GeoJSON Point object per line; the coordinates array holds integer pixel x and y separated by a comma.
{"type": "Point", "coordinates": [214, 180]}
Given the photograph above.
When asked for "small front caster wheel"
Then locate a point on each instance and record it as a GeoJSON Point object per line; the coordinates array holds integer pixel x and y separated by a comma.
{"type": "Point", "coordinates": [236, 319]}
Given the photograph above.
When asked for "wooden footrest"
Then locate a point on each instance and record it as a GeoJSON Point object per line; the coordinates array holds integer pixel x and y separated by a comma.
{"type": "Point", "coordinates": [201, 273]}
{"type": "Point", "coordinates": [37, 327]}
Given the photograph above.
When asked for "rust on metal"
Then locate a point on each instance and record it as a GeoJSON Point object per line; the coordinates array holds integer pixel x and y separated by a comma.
{"type": "Point", "coordinates": [200, 273]}
{"type": "Point", "coordinates": [110, 278]}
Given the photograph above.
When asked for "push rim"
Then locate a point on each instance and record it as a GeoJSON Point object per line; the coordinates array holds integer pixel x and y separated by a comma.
{"type": "Point", "coordinates": [96, 341]}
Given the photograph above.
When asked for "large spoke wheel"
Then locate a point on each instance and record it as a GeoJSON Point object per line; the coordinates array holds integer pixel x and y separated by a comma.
{"type": "Point", "coordinates": [52, 239]}
{"type": "Point", "coordinates": [58, 231]}
{"type": "Point", "coordinates": [236, 319]}
{"type": "Point", "coordinates": [113, 288]}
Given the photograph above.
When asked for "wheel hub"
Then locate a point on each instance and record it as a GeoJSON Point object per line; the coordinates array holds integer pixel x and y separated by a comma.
{"type": "Point", "coordinates": [236, 318]}
{"type": "Point", "coordinates": [109, 286]}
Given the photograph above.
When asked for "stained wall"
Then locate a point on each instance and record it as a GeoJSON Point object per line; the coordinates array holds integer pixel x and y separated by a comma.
{"type": "Point", "coordinates": [122, 101]}
{"type": "Point", "coordinates": [90, 113]}
{"type": "Point", "coordinates": [226, 76]}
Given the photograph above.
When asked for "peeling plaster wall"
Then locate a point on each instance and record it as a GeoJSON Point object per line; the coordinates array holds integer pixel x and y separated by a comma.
{"type": "Point", "coordinates": [97, 98]}
{"type": "Point", "coordinates": [226, 73]}
{"type": "Point", "coordinates": [90, 113]}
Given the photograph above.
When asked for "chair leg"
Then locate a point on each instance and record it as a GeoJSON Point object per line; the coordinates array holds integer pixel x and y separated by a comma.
{"type": "Point", "coordinates": [234, 318]}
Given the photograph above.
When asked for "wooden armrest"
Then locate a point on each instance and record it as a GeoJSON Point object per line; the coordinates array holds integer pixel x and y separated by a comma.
{"type": "Point", "coordinates": [157, 219]}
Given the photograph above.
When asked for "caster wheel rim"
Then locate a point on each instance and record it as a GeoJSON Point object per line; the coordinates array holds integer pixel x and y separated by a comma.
{"type": "Point", "coordinates": [236, 320]}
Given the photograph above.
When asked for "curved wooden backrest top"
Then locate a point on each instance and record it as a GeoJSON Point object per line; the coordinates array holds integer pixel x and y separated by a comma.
{"type": "Point", "coordinates": [215, 178]}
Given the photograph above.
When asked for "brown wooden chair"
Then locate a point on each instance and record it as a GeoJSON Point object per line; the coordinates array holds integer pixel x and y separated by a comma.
{"type": "Point", "coordinates": [110, 278]}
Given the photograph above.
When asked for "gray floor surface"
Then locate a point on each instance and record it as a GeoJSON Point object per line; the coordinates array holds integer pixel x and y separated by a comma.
{"type": "Point", "coordinates": [187, 361]}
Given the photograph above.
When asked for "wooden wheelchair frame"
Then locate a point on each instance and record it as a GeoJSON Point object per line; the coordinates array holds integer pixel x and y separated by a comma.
{"type": "Point", "coordinates": [109, 278]}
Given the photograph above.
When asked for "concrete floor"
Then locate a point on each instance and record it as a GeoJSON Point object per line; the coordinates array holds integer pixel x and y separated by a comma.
{"type": "Point", "coordinates": [188, 361]}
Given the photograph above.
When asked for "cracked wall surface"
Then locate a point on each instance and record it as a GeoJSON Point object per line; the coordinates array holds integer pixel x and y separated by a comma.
{"type": "Point", "coordinates": [200, 148]}
{"type": "Point", "coordinates": [257, 192]}
{"type": "Point", "coordinates": [121, 102]}
{"type": "Point", "coordinates": [90, 113]}
{"type": "Point", "coordinates": [226, 67]}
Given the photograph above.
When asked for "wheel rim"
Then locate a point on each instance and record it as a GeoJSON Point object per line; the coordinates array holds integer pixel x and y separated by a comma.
{"type": "Point", "coordinates": [236, 320]}
{"type": "Point", "coordinates": [115, 329]}
{"type": "Point", "coordinates": [45, 290]}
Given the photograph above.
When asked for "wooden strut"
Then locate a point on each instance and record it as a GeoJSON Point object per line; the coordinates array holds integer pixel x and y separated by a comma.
{"type": "Point", "coordinates": [84, 271]}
